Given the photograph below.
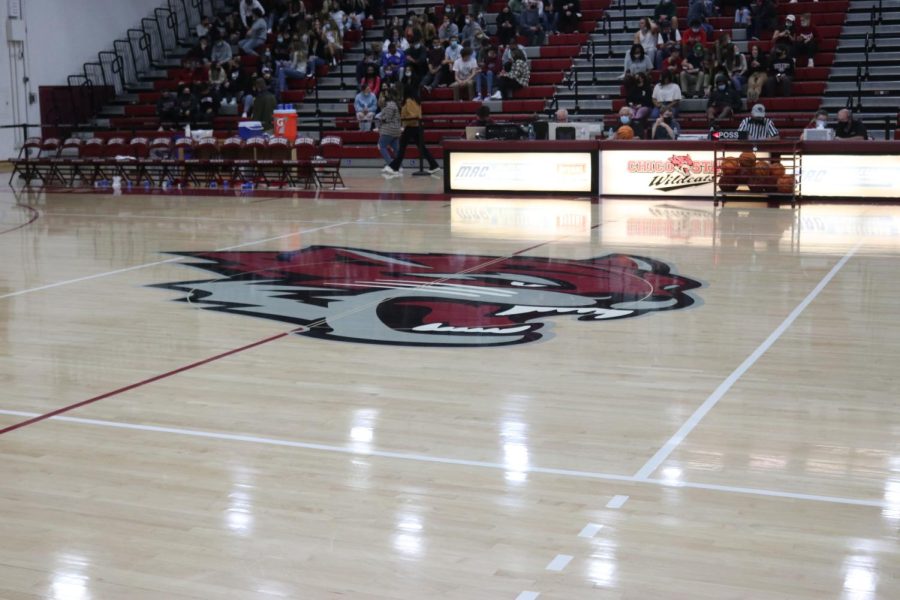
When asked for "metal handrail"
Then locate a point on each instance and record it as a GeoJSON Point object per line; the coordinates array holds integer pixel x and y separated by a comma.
{"type": "Point", "coordinates": [607, 25]}
{"type": "Point", "coordinates": [593, 63]}
{"type": "Point", "coordinates": [624, 5]}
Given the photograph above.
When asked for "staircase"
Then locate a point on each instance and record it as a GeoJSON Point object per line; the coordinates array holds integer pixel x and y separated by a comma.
{"type": "Point", "coordinates": [867, 66]}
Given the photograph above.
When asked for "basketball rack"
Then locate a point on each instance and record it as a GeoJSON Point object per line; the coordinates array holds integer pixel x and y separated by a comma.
{"type": "Point", "coordinates": [763, 171]}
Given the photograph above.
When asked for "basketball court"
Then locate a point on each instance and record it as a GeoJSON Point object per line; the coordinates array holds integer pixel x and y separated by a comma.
{"type": "Point", "coordinates": [405, 395]}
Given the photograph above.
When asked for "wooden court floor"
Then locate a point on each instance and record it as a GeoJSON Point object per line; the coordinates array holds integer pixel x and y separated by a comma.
{"type": "Point", "coordinates": [260, 397]}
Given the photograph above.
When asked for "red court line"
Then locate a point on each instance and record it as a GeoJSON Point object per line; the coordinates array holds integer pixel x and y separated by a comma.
{"type": "Point", "coordinates": [132, 386]}
{"type": "Point", "coordinates": [35, 215]}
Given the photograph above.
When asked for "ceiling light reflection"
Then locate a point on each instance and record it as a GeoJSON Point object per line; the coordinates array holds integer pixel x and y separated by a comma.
{"type": "Point", "coordinates": [515, 450]}
{"type": "Point", "coordinates": [860, 578]}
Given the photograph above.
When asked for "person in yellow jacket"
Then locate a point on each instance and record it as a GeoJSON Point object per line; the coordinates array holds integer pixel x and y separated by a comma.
{"type": "Point", "coordinates": [413, 131]}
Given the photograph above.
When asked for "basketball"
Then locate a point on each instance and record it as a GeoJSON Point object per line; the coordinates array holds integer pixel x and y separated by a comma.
{"type": "Point", "coordinates": [760, 185]}
{"type": "Point", "coordinates": [761, 169]}
{"type": "Point", "coordinates": [728, 183]}
{"type": "Point", "coordinates": [625, 132]}
{"type": "Point", "coordinates": [729, 167]}
{"type": "Point", "coordinates": [785, 184]}
{"type": "Point", "coordinates": [747, 160]}
{"type": "Point", "coordinates": [776, 170]}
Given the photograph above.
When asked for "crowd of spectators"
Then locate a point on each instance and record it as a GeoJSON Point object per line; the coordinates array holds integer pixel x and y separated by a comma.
{"type": "Point", "coordinates": [691, 62]}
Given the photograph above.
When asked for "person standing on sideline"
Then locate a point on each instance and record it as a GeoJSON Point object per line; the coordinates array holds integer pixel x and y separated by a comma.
{"type": "Point", "coordinates": [391, 128]}
{"type": "Point", "coordinates": [411, 119]}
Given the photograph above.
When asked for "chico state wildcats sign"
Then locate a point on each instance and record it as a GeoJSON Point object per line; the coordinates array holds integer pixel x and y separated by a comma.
{"type": "Point", "coordinates": [657, 173]}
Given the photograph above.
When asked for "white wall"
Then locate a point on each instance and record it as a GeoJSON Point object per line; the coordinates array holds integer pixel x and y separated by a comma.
{"type": "Point", "coordinates": [62, 35]}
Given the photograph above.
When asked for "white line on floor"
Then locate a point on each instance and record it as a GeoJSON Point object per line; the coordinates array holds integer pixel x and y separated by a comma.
{"type": "Point", "coordinates": [528, 595]}
{"type": "Point", "coordinates": [559, 562]}
{"type": "Point", "coordinates": [450, 461]}
{"type": "Point", "coordinates": [663, 453]}
{"type": "Point", "coordinates": [162, 262]}
{"type": "Point", "coordinates": [590, 530]}
{"type": "Point", "coordinates": [617, 502]}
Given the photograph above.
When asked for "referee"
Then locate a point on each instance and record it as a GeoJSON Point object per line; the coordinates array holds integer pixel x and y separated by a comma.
{"type": "Point", "coordinates": [757, 126]}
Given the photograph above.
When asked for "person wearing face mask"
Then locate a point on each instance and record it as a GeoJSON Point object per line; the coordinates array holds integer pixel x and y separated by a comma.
{"type": "Point", "coordinates": [693, 73]}
{"type": "Point", "coordinates": [464, 70]}
{"type": "Point", "coordinates": [438, 71]}
{"type": "Point", "coordinates": [665, 127]}
{"type": "Point", "coordinates": [417, 60]}
{"type": "Point", "coordinates": [647, 36]}
{"type": "Point", "coordinates": [781, 73]}
{"type": "Point", "coordinates": [757, 73]}
{"type": "Point", "coordinates": [447, 30]}
{"type": "Point", "coordinates": [470, 30]}
{"type": "Point", "coordinates": [453, 51]}
{"type": "Point", "coordinates": [723, 101]}
{"type": "Point", "coordinates": [666, 95]}
{"type": "Point", "coordinates": [256, 34]}
{"type": "Point", "coordinates": [506, 26]}
{"type": "Point", "coordinates": [848, 128]}
{"type": "Point", "coordinates": [666, 8]}
{"type": "Point", "coordinates": [819, 120]}
{"type": "Point", "coordinates": [758, 126]}
{"type": "Point", "coordinates": [626, 118]}
{"type": "Point", "coordinates": [784, 37]}
{"type": "Point", "coordinates": [762, 17]}
{"type": "Point", "coordinates": [365, 106]}
{"type": "Point", "coordinates": [221, 52]}
{"type": "Point", "coordinates": [668, 40]}
{"type": "Point", "coordinates": [393, 64]}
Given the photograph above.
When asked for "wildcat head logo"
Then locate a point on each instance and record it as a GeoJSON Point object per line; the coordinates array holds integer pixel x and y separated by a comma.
{"type": "Point", "coordinates": [430, 299]}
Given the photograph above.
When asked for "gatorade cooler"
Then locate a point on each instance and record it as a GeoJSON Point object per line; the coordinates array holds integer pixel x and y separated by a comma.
{"type": "Point", "coordinates": [250, 129]}
{"type": "Point", "coordinates": [285, 123]}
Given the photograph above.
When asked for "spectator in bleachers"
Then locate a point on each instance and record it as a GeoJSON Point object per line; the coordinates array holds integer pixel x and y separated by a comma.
{"type": "Point", "coordinates": [742, 18]}
{"type": "Point", "coordinates": [693, 73]}
{"type": "Point", "coordinates": [695, 34]}
{"type": "Point", "coordinates": [734, 64]}
{"type": "Point", "coordinates": [666, 95]}
{"type": "Point", "coordinates": [469, 31]}
{"type": "Point", "coordinates": [203, 28]}
{"type": "Point", "coordinates": [417, 60]}
{"type": "Point", "coordinates": [397, 40]}
{"type": "Point", "coordinates": [372, 79]}
{"type": "Point", "coordinates": [784, 37]}
{"type": "Point", "coordinates": [263, 104]}
{"type": "Point", "coordinates": [281, 49]}
{"type": "Point", "coordinates": [567, 15]}
{"type": "Point", "coordinates": [390, 129]}
{"type": "Point", "coordinates": [639, 96]}
{"type": "Point", "coordinates": [237, 83]}
{"type": "Point", "coordinates": [429, 32]}
{"type": "Point", "coordinates": [848, 128]}
{"type": "Point", "coordinates": [508, 52]}
{"type": "Point", "coordinates": [531, 26]}
{"type": "Point", "coordinates": [452, 52]}
{"type": "Point", "coordinates": [806, 42]}
{"type": "Point", "coordinates": [636, 61]}
{"type": "Point", "coordinates": [448, 29]}
{"type": "Point", "coordinates": [167, 109]}
{"type": "Point", "coordinates": [465, 68]}
{"type": "Point", "coordinates": [673, 64]}
{"type": "Point", "coordinates": [207, 105]}
{"type": "Point", "coordinates": [248, 9]}
{"type": "Point", "coordinates": [365, 104]}
{"type": "Point", "coordinates": [294, 68]}
{"type": "Point", "coordinates": [296, 14]}
{"type": "Point", "coordinates": [626, 119]}
{"type": "Point", "coordinates": [781, 73]}
{"type": "Point", "coordinates": [699, 11]}
{"type": "Point", "coordinates": [724, 100]}
{"type": "Point", "coordinates": [758, 126]}
{"type": "Point", "coordinates": [647, 36]}
{"type": "Point", "coordinates": [221, 52]}
{"type": "Point", "coordinates": [392, 64]}
{"type": "Point", "coordinates": [413, 30]}
{"type": "Point", "coordinates": [185, 105]}
{"type": "Point", "coordinates": [516, 7]}
{"type": "Point", "coordinates": [668, 38]}
{"type": "Point", "coordinates": [411, 81]}
{"type": "Point", "coordinates": [256, 34]}
{"type": "Point", "coordinates": [562, 116]}
{"type": "Point", "coordinates": [667, 9]}
{"type": "Point", "coordinates": [334, 43]}
{"type": "Point", "coordinates": [216, 76]}
{"type": "Point", "coordinates": [515, 78]}
{"type": "Point", "coordinates": [757, 73]}
{"type": "Point", "coordinates": [666, 127]}
{"type": "Point", "coordinates": [318, 51]}
{"type": "Point", "coordinates": [489, 68]}
{"type": "Point", "coordinates": [202, 52]}
{"type": "Point", "coordinates": [369, 58]}
{"type": "Point", "coordinates": [438, 71]}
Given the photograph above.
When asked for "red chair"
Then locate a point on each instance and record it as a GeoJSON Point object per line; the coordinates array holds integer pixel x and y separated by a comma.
{"type": "Point", "coordinates": [69, 162]}
{"type": "Point", "coordinates": [328, 169]}
{"type": "Point", "coordinates": [306, 148]}
{"type": "Point", "coordinates": [23, 165]}
{"type": "Point", "coordinates": [278, 148]}
{"type": "Point", "coordinates": [331, 146]}
{"type": "Point", "coordinates": [232, 147]}
{"type": "Point", "coordinates": [140, 148]}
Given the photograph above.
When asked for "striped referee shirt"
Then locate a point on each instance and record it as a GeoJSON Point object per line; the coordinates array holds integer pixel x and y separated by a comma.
{"type": "Point", "coordinates": [758, 131]}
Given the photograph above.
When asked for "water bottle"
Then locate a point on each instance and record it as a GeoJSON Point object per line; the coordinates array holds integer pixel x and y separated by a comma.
{"type": "Point", "coordinates": [530, 131]}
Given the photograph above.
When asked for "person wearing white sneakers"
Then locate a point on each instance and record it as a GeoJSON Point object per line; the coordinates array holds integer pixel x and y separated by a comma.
{"type": "Point", "coordinates": [806, 42]}
{"type": "Point", "coordinates": [411, 118]}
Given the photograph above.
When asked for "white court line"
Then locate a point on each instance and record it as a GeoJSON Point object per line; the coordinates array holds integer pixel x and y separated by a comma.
{"type": "Point", "coordinates": [590, 530]}
{"type": "Point", "coordinates": [526, 595]}
{"type": "Point", "coordinates": [663, 453]}
{"type": "Point", "coordinates": [450, 461]}
{"type": "Point", "coordinates": [559, 562]}
{"type": "Point", "coordinates": [617, 502]}
{"type": "Point", "coordinates": [162, 262]}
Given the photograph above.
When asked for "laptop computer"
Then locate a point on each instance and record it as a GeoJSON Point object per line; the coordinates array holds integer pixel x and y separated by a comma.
{"type": "Point", "coordinates": [474, 132]}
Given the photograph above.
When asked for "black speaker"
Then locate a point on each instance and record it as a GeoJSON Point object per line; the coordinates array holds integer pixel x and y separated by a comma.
{"type": "Point", "coordinates": [505, 131]}
{"type": "Point", "coordinates": [541, 130]}
{"type": "Point", "coordinates": [565, 133]}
